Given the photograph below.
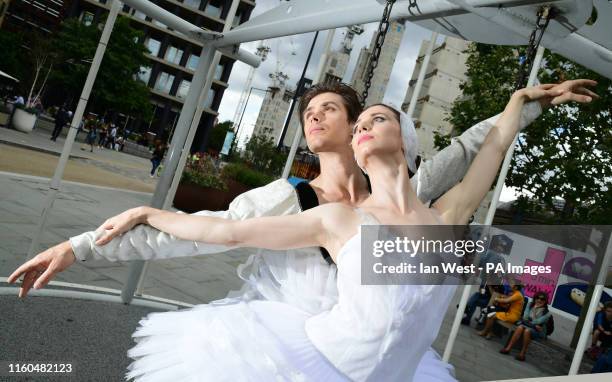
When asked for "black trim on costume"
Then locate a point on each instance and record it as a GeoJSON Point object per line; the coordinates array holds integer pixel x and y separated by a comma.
{"type": "Point", "coordinates": [307, 198]}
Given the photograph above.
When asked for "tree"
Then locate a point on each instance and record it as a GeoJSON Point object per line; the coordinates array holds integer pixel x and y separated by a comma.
{"type": "Point", "coordinates": [117, 87]}
{"type": "Point", "coordinates": [217, 135]}
{"type": "Point", "coordinates": [10, 59]}
{"type": "Point", "coordinates": [260, 154]}
{"type": "Point", "coordinates": [566, 153]}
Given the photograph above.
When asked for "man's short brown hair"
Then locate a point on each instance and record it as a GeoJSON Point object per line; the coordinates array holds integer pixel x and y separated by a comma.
{"type": "Point", "coordinates": [349, 96]}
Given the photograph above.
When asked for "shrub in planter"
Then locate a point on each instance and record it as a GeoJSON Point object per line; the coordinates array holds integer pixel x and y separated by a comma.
{"type": "Point", "coordinates": [5, 114]}
{"type": "Point", "coordinates": [245, 175]}
{"type": "Point", "coordinates": [201, 187]}
{"type": "Point", "coordinates": [201, 171]}
{"type": "Point", "coordinates": [24, 118]}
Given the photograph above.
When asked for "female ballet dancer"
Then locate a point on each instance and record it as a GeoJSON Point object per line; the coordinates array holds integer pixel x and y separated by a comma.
{"type": "Point", "coordinates": [373, 332]}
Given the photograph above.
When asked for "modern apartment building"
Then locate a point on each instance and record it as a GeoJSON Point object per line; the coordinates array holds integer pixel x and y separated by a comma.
{"type": "Point", "coordinates": [274, 108]}
{"type": "Point", "coordinates": [444, 74]}
{"type": "Point", "coordinates": [173, 56]}
{"type": "Point", "coordinates": [383, 70]}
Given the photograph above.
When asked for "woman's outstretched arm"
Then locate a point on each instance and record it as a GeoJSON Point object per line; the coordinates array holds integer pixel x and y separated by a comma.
{"type": "Point", "coordinates": [459, 203]}
{"type": "Point", "coordinates": [306, 229]}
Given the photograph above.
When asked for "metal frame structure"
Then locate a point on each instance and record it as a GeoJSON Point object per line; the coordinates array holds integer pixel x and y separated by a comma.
{"type": "Point", "coordinates": [302, 16]}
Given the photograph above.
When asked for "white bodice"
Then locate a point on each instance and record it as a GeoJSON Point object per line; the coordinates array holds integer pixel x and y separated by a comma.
{"type": "Point", "coordinates": [377, 332]}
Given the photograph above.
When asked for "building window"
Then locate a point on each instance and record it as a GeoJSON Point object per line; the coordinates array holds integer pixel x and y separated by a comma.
{"type": "Point", "coordinates": [237, 19]}
{"type": "Point", "coordinates": [87, 18]}
{"type": "Point", "coordinates": [192, 3]}
{"type": "Point", "coordinates": [164, 82]}
{"type": "Point", "coordinates": [173, 54]}
{"type": "Point", "coordinates": [138, 15]}
{"type": "Point", "coordinates": [209, 98]}
{"type": "Point", "coordinates": [219, 71]}
{"type": "Point", "coordinates": [334, 63]}
{"type": "Point", "coordinates": [153, 45]}
{"type": "Point", "coordinates": [213, 9]}
{"type": "Point", "coordinates": [144, 74]}
{"type": "Point", "coordinates": [192, 63]}
{"type": "Point", "coordinates": [183, 89]}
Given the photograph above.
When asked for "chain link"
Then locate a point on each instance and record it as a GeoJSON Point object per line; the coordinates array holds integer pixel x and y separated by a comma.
{"type": "Point", "coordinates": [383, 27]}
{"type": "Point", "coordinates": [545, 14]}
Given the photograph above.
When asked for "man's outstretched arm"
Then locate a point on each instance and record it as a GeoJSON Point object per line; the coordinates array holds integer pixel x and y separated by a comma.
{"type": "Point", "coordinates": [145, 243]}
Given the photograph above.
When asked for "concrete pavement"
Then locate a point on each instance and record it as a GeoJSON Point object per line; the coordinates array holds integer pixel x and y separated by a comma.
{"type": "Point", "coordinates": [81, 207]}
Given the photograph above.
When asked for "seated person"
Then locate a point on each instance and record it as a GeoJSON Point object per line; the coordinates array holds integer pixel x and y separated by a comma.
{"type": "Point", "coordinates": [533, 325]}
{"type": "Point", "coordinates": [602, 327]}
{"type": "Point", "coordinates": [507, 308]}
{"type": "Point", "coordinates": [479, 299]}
{"type": "Point", "coordinates": [604, 363]}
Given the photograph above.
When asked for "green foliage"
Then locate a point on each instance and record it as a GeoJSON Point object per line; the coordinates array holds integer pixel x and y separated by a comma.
{"type": "Point", "coordinates": [116, 86]}
{"type": "Point", "coordinates": [242, 174]}
{"type": "Point", "coordinates": [217, 135]}
{"type": "Point", "coordinates": [260, 154]}
{"type": "Point", "coordinates": [566, 153]}
{"type": "Point", "coordinates": [201, 171]}
{"type": "Point", "coordinates": [31, 110]}
{"type": "Point", "coordinates": [11, 59]}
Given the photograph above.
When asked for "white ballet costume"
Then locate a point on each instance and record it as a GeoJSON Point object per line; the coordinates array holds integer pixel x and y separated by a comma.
{"type": "Point", "coordinates": [368, 333]}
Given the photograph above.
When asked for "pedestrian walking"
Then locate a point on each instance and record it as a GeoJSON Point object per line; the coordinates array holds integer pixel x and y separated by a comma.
{"type": "Point", "coordinates": [158, 155]}
{"type": "Point", "coordinates": [61, 117]}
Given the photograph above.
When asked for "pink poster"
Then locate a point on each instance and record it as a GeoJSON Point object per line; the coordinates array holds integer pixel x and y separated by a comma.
{"type": "Point", "coordinates": [544, 282]}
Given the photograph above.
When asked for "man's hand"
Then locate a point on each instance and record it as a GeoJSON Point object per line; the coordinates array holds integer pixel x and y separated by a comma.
{"type": "Point", "coordinates": [573, 90]}
{"type": "Point", "coordinates": [120, 224]}
{"type": "Point", "coordinates": [42, 268]}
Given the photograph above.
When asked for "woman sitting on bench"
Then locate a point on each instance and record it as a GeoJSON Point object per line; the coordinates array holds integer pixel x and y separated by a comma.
{"type": "Point", "coordinates": [512, 306]}
{"type": "Point", "coordinates": [533, 326]}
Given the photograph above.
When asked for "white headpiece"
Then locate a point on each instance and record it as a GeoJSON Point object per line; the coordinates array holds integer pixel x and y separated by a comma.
{"type": "Point", "coordinates": [409, 140]}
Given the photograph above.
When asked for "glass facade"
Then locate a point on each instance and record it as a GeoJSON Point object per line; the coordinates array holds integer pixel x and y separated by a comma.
{"type": "Point", "coordinates": [153, 45]}
{"type": "Point", "coordinates": [173, 54]}
{"type": "Point", "coordinates": [192, 62]}
{"type": "Point", "coordinates": [145, 74]}
{"type": "Point", "coordinates": [164, 82]}
{"type": "Point", "coordinates": [183, 88]}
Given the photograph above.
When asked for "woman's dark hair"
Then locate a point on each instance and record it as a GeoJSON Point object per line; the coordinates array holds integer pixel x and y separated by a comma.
{"type": "Point", "coordinates": [540, 294]}
{"type": "Point", "coordinates": [395, 112]}
{"type": "Point", "coordinates": [349, 96]}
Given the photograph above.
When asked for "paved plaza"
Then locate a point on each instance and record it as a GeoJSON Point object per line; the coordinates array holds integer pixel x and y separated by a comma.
{"type": "Point", "coordinates": [82, 207]}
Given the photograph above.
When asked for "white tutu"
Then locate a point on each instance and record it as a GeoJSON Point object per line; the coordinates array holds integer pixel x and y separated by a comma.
{"type": "Point", "coordinates": [240, 341]}
{"type": "Point", "coordinates": [292, 323]}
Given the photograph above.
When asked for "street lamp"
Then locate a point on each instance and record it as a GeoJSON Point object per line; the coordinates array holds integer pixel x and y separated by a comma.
{"type": "Point", "coordinates": [245, 107]}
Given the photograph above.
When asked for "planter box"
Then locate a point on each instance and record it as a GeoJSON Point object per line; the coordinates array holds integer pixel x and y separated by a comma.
{"type": "Point", "coordinates": [191, 198]}
{"type": "Point", "coordinates": [4, 118]}
{"type": "Point", "coordinates": [23, 121]}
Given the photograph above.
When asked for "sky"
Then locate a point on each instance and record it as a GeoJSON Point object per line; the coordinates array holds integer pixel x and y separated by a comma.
{"type": "Point", "coordinates": [288, 54]}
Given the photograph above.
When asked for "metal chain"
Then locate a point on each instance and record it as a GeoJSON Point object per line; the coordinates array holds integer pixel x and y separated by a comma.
{"type": "Point", "coordinates": [383, 27]}
{"type": "Point", "coordinates": [545, 14]}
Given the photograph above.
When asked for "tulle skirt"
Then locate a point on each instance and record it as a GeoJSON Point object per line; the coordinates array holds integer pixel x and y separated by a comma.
{"type": "Point", "coordinates": [240, 341]}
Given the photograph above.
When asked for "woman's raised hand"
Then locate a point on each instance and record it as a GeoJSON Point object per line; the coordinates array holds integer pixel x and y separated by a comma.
{"type": "Point", "coordinates": [43, 267]}
{"type": "Point", "coordinates": [567, 91]}
{"type": "Point", "coordinates": [120, 224]}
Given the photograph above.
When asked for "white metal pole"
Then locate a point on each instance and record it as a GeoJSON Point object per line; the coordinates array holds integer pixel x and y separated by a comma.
{"type": "Point", "coordinates": [199, 110]}
{"type": "Point", "coordinates": [172, 159]}
{"type": "Point", "coordinates": [489, 219]}
{"type": "Point", "coordinates": [195, 121]}
{"type": "Point", "coordinates": [318, 77]}
{"type": "Point", "coordinates": [585, 334]}
{"type": "Point", "coordinates": [54, 186]}
{"type": "Point", "coordinates": [422, 72]}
